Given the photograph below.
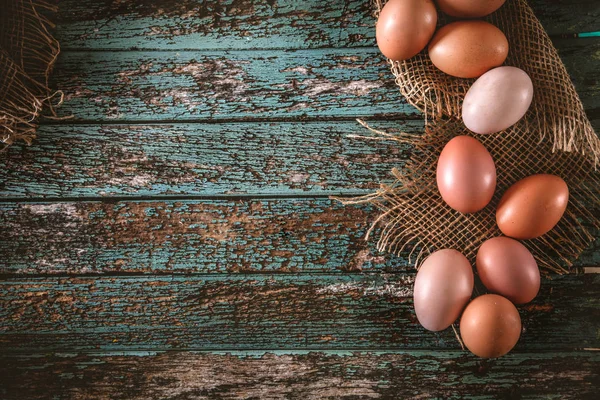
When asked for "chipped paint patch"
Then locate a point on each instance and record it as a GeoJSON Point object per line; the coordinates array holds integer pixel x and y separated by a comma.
{"type": "Point", "coordinates": [402, 288]}
{"type": "Point", "coordinates": [68, 209]}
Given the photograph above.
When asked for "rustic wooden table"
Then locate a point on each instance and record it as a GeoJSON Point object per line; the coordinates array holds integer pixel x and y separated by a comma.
{"type": "Point", "coordinates": [175, 239]}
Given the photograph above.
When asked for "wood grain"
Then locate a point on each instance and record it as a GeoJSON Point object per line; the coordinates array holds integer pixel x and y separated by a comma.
{"type": "Point", "coordinates": [195, 236]}
{"type": "Point", "coordinates": [183, 159]}
{"type": "Point", "coordinates": [191, 85]}
{"type": "Point", "coordinates": [298, 158]}
{"type": "Point", "coordinates": [250, 85]}
{"type": "Point", "coordinates": [262, 312]}
{"type": "Point", "coordinates": [299, 375]}
{"type": "Point", "coordinates": [238, 24]}
{"type": "Point", "coordinates": [214, 236]}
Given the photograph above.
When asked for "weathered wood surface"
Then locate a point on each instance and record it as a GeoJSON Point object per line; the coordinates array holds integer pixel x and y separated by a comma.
{"type": "Point", "coordinates": [196, 236]}
{"type": "Point", "coordinates": [217, 85]}
{"type": "Point", "coordinates": [104, 160]}
{"type": "Point", "coordinates": [186, 271]}
{"type": "Point", "coordinates": [237, 24]}
{"type": "Point", "coordinates": [297, 158]}
{"type": "Point", "coordinates": [300, 375]}
{"type": "Point", "coordinates": [188, 236]}
{"type": "Point", "coordinates": [237, 312]}
{"type": "Point", "coordinates": [309, 158]}
{"type": "Point", "coordinates": [251, 85]}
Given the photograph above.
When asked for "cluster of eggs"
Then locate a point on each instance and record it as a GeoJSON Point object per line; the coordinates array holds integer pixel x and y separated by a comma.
{"type": "Point", "coordinates": [490, 325]}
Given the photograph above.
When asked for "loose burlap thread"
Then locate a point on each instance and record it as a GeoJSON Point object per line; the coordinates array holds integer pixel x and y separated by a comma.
{"type": "Point", "coordinates": [555, 137]}
{"type": "Point", "coordinates": [27, 54]}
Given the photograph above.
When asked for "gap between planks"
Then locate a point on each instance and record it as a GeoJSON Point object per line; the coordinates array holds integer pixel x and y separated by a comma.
{"type": "Point", "coordinates": [244, 274]}
{"type": "Point", "coordinates": [255, 352]}
{"type": "Point", "coordinates": [66, 49]}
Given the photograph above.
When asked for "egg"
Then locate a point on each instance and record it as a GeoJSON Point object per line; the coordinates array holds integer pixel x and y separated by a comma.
{"type": "Point", "coordinates": [507, 268]}
{"type": "Point", "coordinates": [405, 27]}
{"type": "Point", "coordinates": [532, 206]}
{"type": "Point", "coordinates": [466, 175]}
{"type": "Point", "coordinates": [490, 326]}
{"type": "Point", "coordinates": [443, 286]}
{"type": "Point", "coordinates": [497, 100]}
{"type": "Point", "coordinates": [467, 49]}
{"type": "Point", "coordinates": [469, 8]}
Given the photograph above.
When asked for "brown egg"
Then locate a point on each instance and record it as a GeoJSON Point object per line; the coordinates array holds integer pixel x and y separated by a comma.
{"type": "Point", "coordinates": [532, 206]}
{"type": "Point", "coordinates": [469, 8]}
{"type": "Point", "coordinates": [507, 268]}
{"type": "Point", "coordinates": [443, 287]}
{"type": "Point", "coordinates": [466, 174]}
{"type": "Point", "coordinates": [468, 49]}
{"type": "Point", "coordinates": [405, 27]}
{"type": "Point", "coordinates": [490, 326]}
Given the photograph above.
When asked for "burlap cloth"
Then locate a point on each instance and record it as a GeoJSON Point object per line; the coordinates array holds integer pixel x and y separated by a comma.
{"type": "Point", "coordinates": [27, 54]}
{"type": "Point", "coordinates": [554, 137]}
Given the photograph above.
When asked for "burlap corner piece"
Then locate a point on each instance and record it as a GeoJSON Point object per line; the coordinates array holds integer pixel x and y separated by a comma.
{"type": "Point", "coordinates": [27, 54]}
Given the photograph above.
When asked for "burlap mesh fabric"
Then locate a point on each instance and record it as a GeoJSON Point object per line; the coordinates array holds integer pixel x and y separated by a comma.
{"type": "Point", "coordinates": [554, 137]}
{"type": "Point", "coordinates": [27, 54]}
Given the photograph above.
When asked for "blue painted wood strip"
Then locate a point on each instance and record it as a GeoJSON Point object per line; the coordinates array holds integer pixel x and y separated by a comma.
{"type": "Point", "coordinates": [233, 24]}
{"type": "Point", "coordinates": [588, 34]}
{"type": "Point", "coordinates": [262, 312]}
{"type": "Point", "coordinates": [299, 158]}
{"type": "Point", "coordinates": [283, 235]}
{"type": "Point", "coordinates": [182, 86]}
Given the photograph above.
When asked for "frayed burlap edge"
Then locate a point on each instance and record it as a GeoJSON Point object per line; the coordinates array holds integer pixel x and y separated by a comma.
{"type": "Point", "coordinates": [26, 68]}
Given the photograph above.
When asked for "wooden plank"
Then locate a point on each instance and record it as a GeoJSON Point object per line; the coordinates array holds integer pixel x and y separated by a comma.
{"type": "Point", "coordinates": [235, 24]}
{"type": "Point", "coordinates": [188, 236]}
{"type": "Point", "coordinates": [247, 312]}
{"type": "Point", "coordinates": [158, 86]}
{"type": "Point", "coordinates": [195, 236]}
{"type": "Point", "coordinates": [581, 57]}
{"type": "Point", "coordinates": [244, 85]}
{"type": "Point", "coordinates": [275, 159]}
{"type": "Point", "coordinates": [299, 375]}
{"type": "Point", "coordinates": [310, 158]}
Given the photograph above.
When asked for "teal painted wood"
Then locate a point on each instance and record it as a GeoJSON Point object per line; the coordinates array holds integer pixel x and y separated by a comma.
{"type": "Point", "coordinates": [263, 312]}
{"type": "Point", "coordinates": [244, 85]}
{"type": "Point", "coordinates": [158, 86]}
{"type": "Point", "coordinates": [299, 375]}
{"type": "Point", "coordinates": [233, 24]}
{"type": "Point", "coordinates": [183, 159]}
{"type": "Point", "coordinates": [188, 236]}
{"type": "Point", "coordinates": [298, 158]}
{"type": "Point", "coordinates": [192, 236]}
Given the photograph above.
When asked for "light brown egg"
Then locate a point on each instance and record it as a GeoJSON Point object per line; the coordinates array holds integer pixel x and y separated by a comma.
{"type": "Point", "coordinates": [443, 287]}
{"type": "Point", "coordinates": [466, 174]}
{"type": "Point", "coordinates": [507, 268]}
{"type": "Point", "coordinates": [532, 206]}
{"type": "Point", "coordinates": [490, 326]}
{"type": "Point", "coordinates": [469, 8]}
{"type": "Point", "coordinates": [405, 27]}
{"type": "Point", "coordinates": [468, 49]}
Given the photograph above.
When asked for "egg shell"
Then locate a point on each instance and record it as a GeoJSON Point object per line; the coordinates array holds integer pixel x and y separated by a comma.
{"type": "Point", "coordinates": [490, 326]}
{"type": "Point", "coordinates": [497, 100]}
{"type": "Point", "coordinates": [532, 206]}
{"type": "Point", "coordinates": [466, 174]}
{"type": "Point", "coordinates": [405, 27]}
{"type": "Point", "coordinates": [443, 286]}
{"type": "Point", "coordinates": [469, 8]}
{"type": "Point", "coordinates": [507, 268]}
{"type": "Point", "coordinates": [468, 49]}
